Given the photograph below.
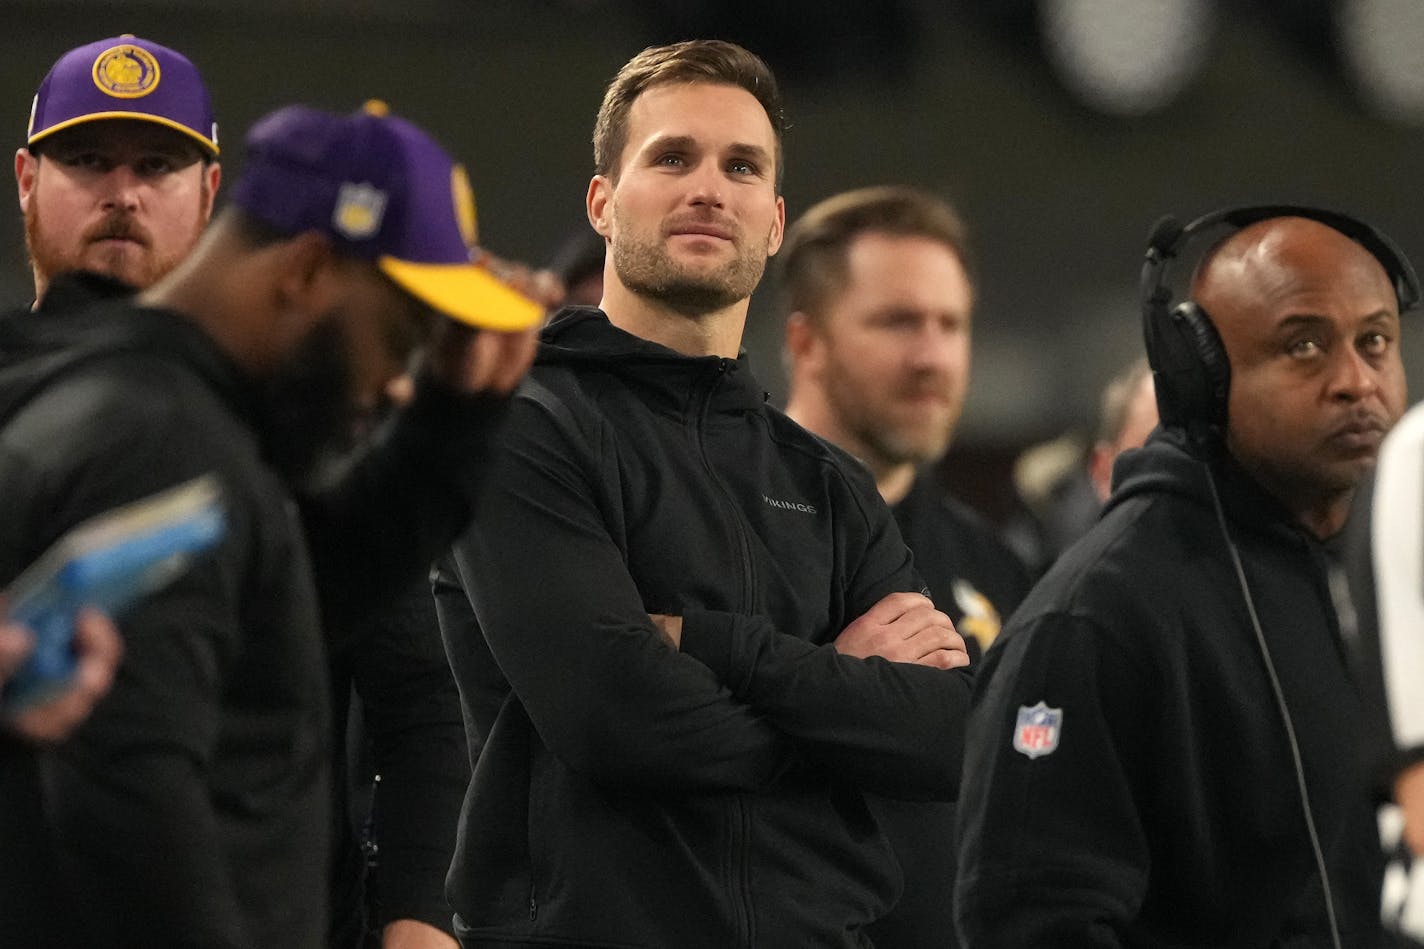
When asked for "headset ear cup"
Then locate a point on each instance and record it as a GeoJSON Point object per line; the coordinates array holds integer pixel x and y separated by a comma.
{"type": "Point", "coordinates": [1209, 383]}
{"type": "Point", "coordinates": [1189, 367]}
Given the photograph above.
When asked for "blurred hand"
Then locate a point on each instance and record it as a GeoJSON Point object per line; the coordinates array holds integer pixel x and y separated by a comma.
{"type": "Point", "coordinates": [1409, 795]}
{"type": "Point", "coordinates": [905, 627]}
{"type": "Point", "coordinates": [98, 647]}
{"type": "Point", "coordinates": [15, 644]}
{"type": "Point", "coordinates": [470, 360]}
{"type": "Point", "coordinates": [542, 286]}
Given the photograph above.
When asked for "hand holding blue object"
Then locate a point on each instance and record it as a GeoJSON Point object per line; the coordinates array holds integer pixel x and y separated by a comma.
{"type": "Point", "coordinates": [109, 562]}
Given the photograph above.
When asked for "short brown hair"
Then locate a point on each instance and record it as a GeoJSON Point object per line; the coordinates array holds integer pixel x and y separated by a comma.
{"type": "Point", "coordinates": [711, 61]}
{"type": "Point", "coordinates": [813, 257]}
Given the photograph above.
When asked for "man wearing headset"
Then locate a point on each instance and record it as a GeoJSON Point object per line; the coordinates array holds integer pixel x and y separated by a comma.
{"type": "Point", "coordinates": [1164, 748]}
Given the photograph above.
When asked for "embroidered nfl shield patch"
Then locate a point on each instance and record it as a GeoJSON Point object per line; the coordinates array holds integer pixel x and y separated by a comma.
{"type": "Point", "coordinates": [1037, 730]}
{"type": "Point", "coordinates": [358, 211]}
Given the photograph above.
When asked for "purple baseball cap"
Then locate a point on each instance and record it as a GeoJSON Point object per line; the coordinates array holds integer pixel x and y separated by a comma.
{"type": "Point", "coordinates": [124, 78]}
{"type": "Point", "coordinates": [385, 192]}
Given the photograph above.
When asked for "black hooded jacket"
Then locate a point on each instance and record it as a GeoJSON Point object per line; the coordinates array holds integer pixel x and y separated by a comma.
{"type": "Point", "coordinates": [627, 794]}
{"type": "Point", "coordinates": [193, 808]}
{"type": "Point", "coordinates": [1161, 808]}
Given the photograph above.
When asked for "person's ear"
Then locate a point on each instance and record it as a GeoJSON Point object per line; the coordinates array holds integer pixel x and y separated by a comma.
{"type": "Point", "coordinates": [778, 228]}
{"type": "Point", "coordinates": [599, 205]}
{"type": "Point", "coordinates": [26, 167]}
{"type": "Point", "coordinates": [213, 174]}
{"type": "Point", "coordinates": [805, 347]}
{"type": "Point", "coordinates": [307, 283]}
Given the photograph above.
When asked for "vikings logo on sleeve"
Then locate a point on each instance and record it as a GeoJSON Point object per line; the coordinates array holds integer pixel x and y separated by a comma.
{"type": "Point", "coordinates": [1037, 730]}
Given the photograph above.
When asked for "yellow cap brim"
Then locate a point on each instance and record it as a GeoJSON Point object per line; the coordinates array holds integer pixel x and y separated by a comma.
{"type": "Point", "coordinates": [210, 148]}
{"type": "Point", "coordinates": [465, 292]}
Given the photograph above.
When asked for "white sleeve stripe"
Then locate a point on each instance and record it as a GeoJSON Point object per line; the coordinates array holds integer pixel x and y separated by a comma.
{"type": "Point", "coordinates": [1397, 548]}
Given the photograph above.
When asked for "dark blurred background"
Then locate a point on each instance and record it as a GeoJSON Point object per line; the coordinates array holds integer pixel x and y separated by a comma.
{"type": "Point", "coordinates": [1061, 128]}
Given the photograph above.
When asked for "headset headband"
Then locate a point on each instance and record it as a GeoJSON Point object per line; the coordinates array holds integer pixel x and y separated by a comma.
{"type": "Point", "coordinates": [1169, 237]}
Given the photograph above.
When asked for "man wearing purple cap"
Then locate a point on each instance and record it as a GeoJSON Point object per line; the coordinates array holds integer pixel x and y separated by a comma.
{"type": "Point", "coordinates": [119, 167]}
{"type": "Point", "coordinates": [193, 807]}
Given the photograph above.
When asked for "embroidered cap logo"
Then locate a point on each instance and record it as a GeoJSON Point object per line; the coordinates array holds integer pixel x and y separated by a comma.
{"type": "Point", "coordinates": [126, 72]}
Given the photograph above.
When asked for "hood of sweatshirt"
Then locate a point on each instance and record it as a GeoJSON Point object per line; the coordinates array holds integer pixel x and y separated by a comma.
{"type": "Point", "coordinates": [37, 346]}
{"type": "Point", "coordinates": [584, 337]}
{"type": "Point", "coordinates": [1170, 463]}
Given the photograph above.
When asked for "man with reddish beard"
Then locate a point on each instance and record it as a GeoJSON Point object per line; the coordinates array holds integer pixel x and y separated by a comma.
{"type": "Point", "coordinates": [878, 287]}
{"type": "Point", "coordinates": [119, 169]}
{"type": "Point", "coordinates": [1167, 745]}
{"type": "Point", "coordinates": [126, 196]}
{"type": "Point", "coordinates": [672, 619]}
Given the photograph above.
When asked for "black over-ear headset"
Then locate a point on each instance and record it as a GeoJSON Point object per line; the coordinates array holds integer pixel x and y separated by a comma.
{"type": "Point", "coordinates": [1192, 376]}
{"type": "Point", "coordinates": [1189, 364]}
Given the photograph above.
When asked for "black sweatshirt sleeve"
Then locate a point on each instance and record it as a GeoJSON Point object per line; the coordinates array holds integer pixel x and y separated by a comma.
{"type": "Point", "coordinates": [412, 717]}
{"type": "Point", "coordinates": [889, 727]}
{"type": "Point", "coordinates": [129, 816]}
{"type": "Point", "coordinates": [894, 728]}
{"type": "Point", "coordinates": [373, 536]}
{"type": "Point", "coordinates": [1052, 846]}
{"type": "Point", "coordinates": [568, 630]}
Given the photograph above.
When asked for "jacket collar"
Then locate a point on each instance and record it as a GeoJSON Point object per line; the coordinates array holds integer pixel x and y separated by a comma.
{"type": "Point", "coordinates": [1167, 463]}
{"type": "Point", "coordinates": [88, 315]}
{"type": "Point", "coordinates": [584, 336]}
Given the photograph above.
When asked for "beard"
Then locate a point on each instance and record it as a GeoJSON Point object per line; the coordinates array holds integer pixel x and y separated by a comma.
{"type": "Point", "coordinates": [888, 439]}
{"type": "Point", "coordinates": [646, 268]}
{"type": "Point", "coordinates": [139, 266]}
{"type": "Point", "coordinates": [307, 421]}
{"type": "Point", "coordinates": [897, 445]}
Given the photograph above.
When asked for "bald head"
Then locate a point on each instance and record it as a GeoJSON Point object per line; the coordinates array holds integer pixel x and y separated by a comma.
{"type": "Point", "coordinates": [1273, 258]}
{"type": "Point", "coordinates": [1310, 323]}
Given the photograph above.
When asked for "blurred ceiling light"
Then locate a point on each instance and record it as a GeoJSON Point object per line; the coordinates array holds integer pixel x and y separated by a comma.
{"type": "Point", "coordinates": [1127, 57]}
{"type": "Point", "coordinates": [1381, 46]}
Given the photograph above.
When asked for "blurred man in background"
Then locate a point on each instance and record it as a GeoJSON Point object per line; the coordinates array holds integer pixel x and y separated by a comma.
{"type": "Point", "coordinates": [880, 300]}
{"type": "Point", "coordinates": [1063, 485]}
{"type": "Point", "coordinates": [878, 350]}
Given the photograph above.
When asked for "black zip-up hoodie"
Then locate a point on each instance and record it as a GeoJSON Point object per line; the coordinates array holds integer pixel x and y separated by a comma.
{"type": "Point", "coordinates": [193, 807]}
{"type": "Point", "coordinates": [627, 794]}
{"type": "Point", "coordinates": [1165, 812]}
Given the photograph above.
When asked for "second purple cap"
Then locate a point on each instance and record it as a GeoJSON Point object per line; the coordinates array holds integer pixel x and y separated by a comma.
{"type": "Point", "coordinates": [384, 191]}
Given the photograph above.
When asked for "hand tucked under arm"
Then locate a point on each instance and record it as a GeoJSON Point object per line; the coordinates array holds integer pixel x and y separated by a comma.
{"type": "Point", "coordinates": [413, 934]}
{"type": "Point", "coordinates": [669, 627]}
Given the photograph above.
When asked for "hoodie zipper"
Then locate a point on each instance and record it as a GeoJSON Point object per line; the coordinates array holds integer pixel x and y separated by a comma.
{"type": "Point", "coordinates": [749, 599]}
{"type": "Point", "coordinates": [739, 816]}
